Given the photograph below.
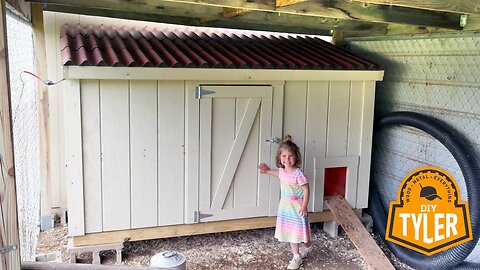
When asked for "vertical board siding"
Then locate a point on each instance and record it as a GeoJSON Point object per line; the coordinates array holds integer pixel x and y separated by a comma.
{"type": "Point", "coordinates": [355, 118]}
{"type": "Point", "coordinates": [92, 168]}
{"type": "Point", "coordinates": [143, 153]}
{"type": "Point", "coordinates": [295, 104]}
{"type": "Point", "coordinates": [73, 158]}
{"type": "Point", "coordinates": [192, 129]}
{"type": "Point", "coordinates": [114, 99]}
{"type": "Point", "coordinates": [277, 130]}
{"type": "Point", "coordinates": [315, 139]}
{"type": "Point", "coordinates": [337, 128]}
{"type": "Point", "coordinates": [171, 148]}
{"type": "Point", "coordinates": [366, 145]}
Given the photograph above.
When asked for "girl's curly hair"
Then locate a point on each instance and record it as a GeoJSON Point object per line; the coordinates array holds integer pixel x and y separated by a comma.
{"type": "Point", "coordinates": [290, 146]}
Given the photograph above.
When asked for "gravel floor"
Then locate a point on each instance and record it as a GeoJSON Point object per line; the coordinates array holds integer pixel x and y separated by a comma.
{"type": "Point", "coordinates": [253, 249]}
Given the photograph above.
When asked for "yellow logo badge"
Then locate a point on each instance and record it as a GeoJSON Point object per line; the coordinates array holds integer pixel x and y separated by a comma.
{"type": "Point", "coordinates": [428, 216]}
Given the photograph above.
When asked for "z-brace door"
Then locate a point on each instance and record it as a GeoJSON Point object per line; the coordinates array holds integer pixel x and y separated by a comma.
{"type": "Point", "coordinates": [235, 121]}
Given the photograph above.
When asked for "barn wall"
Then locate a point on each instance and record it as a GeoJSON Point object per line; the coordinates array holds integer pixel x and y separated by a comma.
{"type": "Point", "coordinates": [436, 75]}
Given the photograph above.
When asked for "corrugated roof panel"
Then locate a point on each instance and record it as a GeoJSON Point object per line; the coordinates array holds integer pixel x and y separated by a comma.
{"type": "Point", "coordinates": [143, 47]}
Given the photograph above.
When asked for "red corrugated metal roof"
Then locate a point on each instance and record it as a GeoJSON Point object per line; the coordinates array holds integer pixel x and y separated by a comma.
{"type": "Point", "coordinates": [123, 47]}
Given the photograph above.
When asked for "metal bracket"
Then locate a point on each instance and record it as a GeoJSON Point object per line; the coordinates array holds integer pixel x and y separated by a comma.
{"type": "Point", "coordinates": [7, 249]}
{"type": "Point", "coordinates": [197, 216]}
{"type": "Point", "coordinates": [199, 92]}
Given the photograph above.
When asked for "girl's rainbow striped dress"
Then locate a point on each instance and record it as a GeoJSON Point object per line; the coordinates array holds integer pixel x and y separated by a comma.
{"type": "Point", "coordinates": [291, 226]}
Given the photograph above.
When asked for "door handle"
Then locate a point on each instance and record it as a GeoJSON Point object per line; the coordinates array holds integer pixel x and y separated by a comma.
{"type": "Point", "coordinates": [273, 140]}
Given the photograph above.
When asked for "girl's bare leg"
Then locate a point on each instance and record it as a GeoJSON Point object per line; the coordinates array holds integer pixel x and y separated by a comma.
{"type": "Point", "coordinates": [294, 247]}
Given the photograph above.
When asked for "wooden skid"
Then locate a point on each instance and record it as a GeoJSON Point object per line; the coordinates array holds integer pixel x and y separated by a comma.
{"type": "Point", "coordinates": [360, 237]}
{"type": "Point", "coordinates": [186, 229]}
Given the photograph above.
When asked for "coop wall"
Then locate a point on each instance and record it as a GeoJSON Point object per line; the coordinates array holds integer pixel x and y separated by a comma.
{"type": "Point", "coordinates": [128, 171]}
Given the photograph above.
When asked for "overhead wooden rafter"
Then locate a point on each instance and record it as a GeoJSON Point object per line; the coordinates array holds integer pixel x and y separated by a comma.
{"type": "Point", "coordinates": [362, 17]}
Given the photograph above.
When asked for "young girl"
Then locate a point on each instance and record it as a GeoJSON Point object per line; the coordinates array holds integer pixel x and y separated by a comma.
{"type": "Point", "coordinates": [292, 219]}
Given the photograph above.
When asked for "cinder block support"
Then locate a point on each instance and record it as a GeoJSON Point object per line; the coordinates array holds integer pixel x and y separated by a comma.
{"type": "Point", "coordinates": [73, 251]}
{"type": "Point", "coordinates": [331, 227]}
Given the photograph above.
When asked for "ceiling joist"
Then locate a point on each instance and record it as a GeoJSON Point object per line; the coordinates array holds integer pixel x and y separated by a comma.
{"type": "Point", "coordinates": [457, 6]}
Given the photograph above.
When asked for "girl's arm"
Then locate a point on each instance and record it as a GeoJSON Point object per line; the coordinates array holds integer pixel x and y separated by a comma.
{"type": "Point", "coordinates": [306, 197]}
{"type": "Point", "coordinates": [265, 169]}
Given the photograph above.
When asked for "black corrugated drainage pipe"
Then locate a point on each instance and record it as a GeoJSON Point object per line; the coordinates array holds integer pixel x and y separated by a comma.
{"type": "Point", "coordinates": [469, 164]}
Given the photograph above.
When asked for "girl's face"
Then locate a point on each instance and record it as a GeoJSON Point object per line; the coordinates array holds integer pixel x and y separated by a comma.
{"type": "Point", "coordinates": [288, 159]}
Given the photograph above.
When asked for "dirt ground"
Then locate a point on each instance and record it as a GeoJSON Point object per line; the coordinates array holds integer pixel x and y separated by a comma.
{"type": "Point", "coordinates": [253, 249]}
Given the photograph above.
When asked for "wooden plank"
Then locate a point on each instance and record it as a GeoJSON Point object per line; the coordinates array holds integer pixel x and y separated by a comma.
{"type": "Point", "coordinates": [461, 6]}
{"type": "Point", "coordinates": [207, 153]}
{"type": "Point", "coordinates": [67, 266]}
{"type": "Point", "coordinates": [337, 129]}
{"type": "Point", "coordinates": [187, 229]}
{"type": "Point", "coordinates": [22, 7]}
{"type": "Point", "coordinates": [277, 131]}
{"type": "Point", "coordinates": [366, 145]}
{"type": "Point", "coordinates": [295, 112]}
{"type": "Point", "coordinates": [192, 150]}
{"type": "Point", "coordinates": [143, 154]}
{"type": "Point", "coordinates": [43, 115]}
{"type": "Point", "coordinates": [92, 164]}
{"type": "Point", "coordinates": [360, 237]}
{"type": "Point", "coordinates": [266, 125]}
{"type": "Point", "coordinates": [74, 158]}
{"type": "Point", "coordinates": [171, 150]}
{"type": "Point", "coordinates": [235, 153]}
{"type": "Point", "coordinates": [8, 206]}
{"type": "Point", "coordinates": [355, 118]}
{"type": "Point", "coordinates": [114, 102]}
{"type": "Point", "coordinates": [219, 75]}
{"type": "Point", "coordinates": [315, 138]}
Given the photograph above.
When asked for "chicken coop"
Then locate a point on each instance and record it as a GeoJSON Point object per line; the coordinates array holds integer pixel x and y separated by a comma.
{"type": "Point", "coordinates": [162, 129]}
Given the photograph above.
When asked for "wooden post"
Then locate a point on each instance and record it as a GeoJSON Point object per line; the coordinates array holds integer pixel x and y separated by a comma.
{"type": "Point", "coordinates": [337, 38]}
{"type": "Point", "coordinates": [46, 221]}
{"type": "Point", "coordinates": [8, 218]}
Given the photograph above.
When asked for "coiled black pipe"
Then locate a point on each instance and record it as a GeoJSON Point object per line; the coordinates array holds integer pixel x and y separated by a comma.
{"type": "Point", "coordinates": [469, 164]}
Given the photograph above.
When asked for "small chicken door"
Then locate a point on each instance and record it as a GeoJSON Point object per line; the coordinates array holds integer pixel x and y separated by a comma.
{"type": "Point", "coordinates": [235, 121]}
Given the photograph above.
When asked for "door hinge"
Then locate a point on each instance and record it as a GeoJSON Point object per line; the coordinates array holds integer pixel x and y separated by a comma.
{"type": "Point", "coordinates": [199, 92]}
{"type": "Point", "coordinates": [7, 249]}
{"type": "Point", "coordinates": [197, 216]}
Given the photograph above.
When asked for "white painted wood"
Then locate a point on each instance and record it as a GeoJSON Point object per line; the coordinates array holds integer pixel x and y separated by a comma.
{"type": "Point", "coordinates": [223, 120]}
{"type": "Point", "coordinates": [215, 75]}
{"type": "Point", "coordinates": [316, 139]}
{"type": "Point", "coordinates": [277, 131]}
{"type": "Point", "coordinates": [205, 169]}
{"type": "Point", "coordinates": [235, 153]}
{"type": "Point", "coordinates": [337, 130]}
{"type": "Point", "coordinates": [114, 102]}
{"type": "Point", "coordinates": [351, 163]}
{"type": "Point", "coordinates": [230, 196]}
{"type": "Point", "coordinates": [73, 161]}
{"type": "Point", "coordinates": [295, 105]}
{"type": "Point", "coordinates": [366, 145]}
{"type": "Point", "coordinates": [355, 118]}
{"type": "Point", "coordinates": [171, 152]}
{"type": "Point", "coordinates": [92, 168]}
{"type": "Point", "coordinates": [192, 151]}
{"type": "Point", "coordinates": [143, 153]}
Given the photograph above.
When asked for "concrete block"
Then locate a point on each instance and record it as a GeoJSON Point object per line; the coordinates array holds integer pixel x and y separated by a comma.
{"type": "Point", "coordinates": [96, 249]}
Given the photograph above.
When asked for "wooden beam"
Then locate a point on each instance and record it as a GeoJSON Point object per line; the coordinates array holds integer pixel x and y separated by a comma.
{"type": "Point", "coordinates": [187, 229]}
{"type": "Point", "coordinates": [233, 12]}
{"type": "Point", "coordinates": [8, 205]}
{"type": "Point", "coordinates": [283, 3]}
{"type": "Point", "coordinates": [21, 7]}
{"type": "Point", "coordinates": [71, 266]}
{"type": "Point", "coordinates": [43, 116]}
{"type": "Point", "coordinates": [375, 13]}
{"type": "Point", "coordinates": [458, 6]}
{"type": "Point", "coordinates": [213, 16]}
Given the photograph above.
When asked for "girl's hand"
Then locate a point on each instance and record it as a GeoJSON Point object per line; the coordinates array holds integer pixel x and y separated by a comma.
{"type": "Point", "coordinates": [303, 211]}
{"type": "Point", "coordinates": [263, 168]}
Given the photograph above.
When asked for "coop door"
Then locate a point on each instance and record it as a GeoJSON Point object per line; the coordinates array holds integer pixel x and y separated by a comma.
{"type": "Point", "coordinates": [235, 122]}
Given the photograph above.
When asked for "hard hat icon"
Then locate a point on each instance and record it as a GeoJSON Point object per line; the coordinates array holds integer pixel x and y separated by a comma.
{"type": "Point", "coordinates": [428, 192]}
